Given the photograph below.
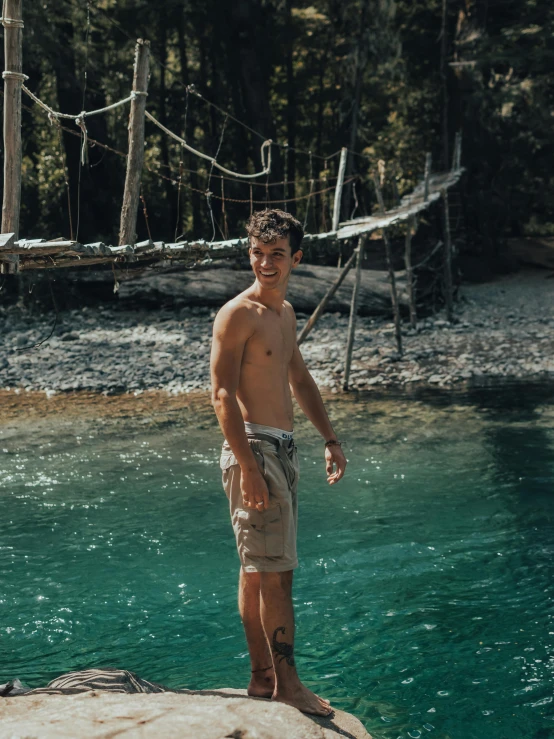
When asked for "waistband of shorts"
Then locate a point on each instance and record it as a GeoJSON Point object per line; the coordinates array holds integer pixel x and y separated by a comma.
{"type": "Point", "coordinates": [268, 438]}
{"type": "Point", "coordinates": [254, 429]}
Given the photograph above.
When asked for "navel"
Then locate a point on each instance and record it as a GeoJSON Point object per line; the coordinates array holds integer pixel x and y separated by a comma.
{"type": "Point", "coordinates": [269, 352]}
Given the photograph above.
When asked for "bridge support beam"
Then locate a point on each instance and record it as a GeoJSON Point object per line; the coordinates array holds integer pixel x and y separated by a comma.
{"type": "Point", "coordinates": [135, 156]}
{"type": "Point", "coordinates": [13, 79]}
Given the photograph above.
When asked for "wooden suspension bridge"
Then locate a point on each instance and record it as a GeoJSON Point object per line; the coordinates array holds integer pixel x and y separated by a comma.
{"type": "Point", "coordinates": [19, 254]}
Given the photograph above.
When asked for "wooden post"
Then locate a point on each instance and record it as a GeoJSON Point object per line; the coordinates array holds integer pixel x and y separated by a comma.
{"type": "Point", "coordinates": [326, 298]}
{"type": "Point", "coordinates": [135, 157]}
{"type": "Point", "coordinates": [447, 258]}
{"type": "Point", "coordinates": [353, 313]}
{"type": "Point", "coordinates": [338, 188]}
{"type": "Point", "coordinates": [457, 156]}
{"type": "Point", "coordinates": [412, 226]}
{"type": "Point", "coordinates": [392, 277]}
{"type": "Point", "coordinates": [427, 176]}
{"type": "Point", "coordinates": [13, 79]}
{"type": "Point", "coordinates": [395, 187]}
{"type": "Point", "coordinates": [454, 153]}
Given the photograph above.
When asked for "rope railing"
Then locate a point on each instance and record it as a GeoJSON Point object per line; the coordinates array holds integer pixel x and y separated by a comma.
{"type": "Point", "coordinates": [203, 173]}
{"type": "Point", "coordinates": [265, 152]}
{"type": "Point", "coordinates": [79, 119]}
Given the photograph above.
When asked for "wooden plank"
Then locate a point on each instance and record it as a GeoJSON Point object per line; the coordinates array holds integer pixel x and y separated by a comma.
{"type": "Point", "coordinates": [410, 206]}
{"type": "Point", "coordinates": [6, 240]}
{"type": "Point", "coordinates": [124, 249]}
{"type": "Point", "coordinates": [45, 247]}
{"type": "Point", "coordinates": [374, 223]}
{"type": "Point", "coordinates": [65, 262]}
{"type": "Point", "coordinates": [98, 247]}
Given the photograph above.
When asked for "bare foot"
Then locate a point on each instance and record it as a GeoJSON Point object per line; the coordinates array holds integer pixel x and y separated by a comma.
{"type": "Point", "coordinates": [262, 684]}
{"type": "Point", "coordinates": [302, 698]}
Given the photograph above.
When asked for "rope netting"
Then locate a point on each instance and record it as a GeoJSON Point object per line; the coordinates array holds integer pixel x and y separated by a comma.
{"type": "Point", "coordinates": [313, 188]}
{"type": "Point", "coordinates": [55, 117]}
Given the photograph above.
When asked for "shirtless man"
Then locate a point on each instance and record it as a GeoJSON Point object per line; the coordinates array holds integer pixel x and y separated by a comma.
{"type": "Point", "coordinates": [255, 364]}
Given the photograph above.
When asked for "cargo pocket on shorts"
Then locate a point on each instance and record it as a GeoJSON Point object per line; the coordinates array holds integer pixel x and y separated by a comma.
{"type": "Point", "coordinates": [227, 460]}
{"type": "Point", "coordinates": [259, 533]}
{"type": "Point", "coordinates": [274, 532]}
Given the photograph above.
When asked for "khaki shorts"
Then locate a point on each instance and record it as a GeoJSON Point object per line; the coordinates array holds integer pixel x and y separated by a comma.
{"type": "Point", "coordinates": [266, 540]}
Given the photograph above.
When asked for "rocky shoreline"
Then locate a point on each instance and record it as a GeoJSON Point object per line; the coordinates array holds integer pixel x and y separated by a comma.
{"type": "Point", "coordinates": [503, 329]}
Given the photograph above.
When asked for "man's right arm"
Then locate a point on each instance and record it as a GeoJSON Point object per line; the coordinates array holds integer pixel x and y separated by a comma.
{"type": "Point", "coordinates": [233, 327]}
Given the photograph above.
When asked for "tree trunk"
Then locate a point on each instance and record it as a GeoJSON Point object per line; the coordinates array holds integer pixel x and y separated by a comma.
{"type": "Point", "coordinates": [444, 86]}
{"type": "Point", "coordinates": [189, 132]}
{"type": "Point", "coordinates": [251, 32]}
{"type": "Point", "coordinates": [321, 211]}
{"type": "Point", "coordinates": [170, 189]}
{"type": "Point", "coordinates": [290, 190]}
{"type": "Point", "coordinates": [70, 100]}
{"type": "Point", "coordinates": [361, 56]}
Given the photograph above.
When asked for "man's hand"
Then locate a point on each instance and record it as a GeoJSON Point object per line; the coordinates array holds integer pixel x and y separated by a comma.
{"type": "Point", "coordinates": [254, 490]}
{"type": "Point", "coordinates": [335, 463]}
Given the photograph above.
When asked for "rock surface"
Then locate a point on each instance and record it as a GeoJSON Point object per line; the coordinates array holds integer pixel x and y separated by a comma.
{"type": "Point", "coordinates": [216, 714]}
{"type": "Point", "coordinates": [503, 329]}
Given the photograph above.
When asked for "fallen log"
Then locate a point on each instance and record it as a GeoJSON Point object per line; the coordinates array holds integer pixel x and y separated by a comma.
{"type": "Point", "coordinates": [535, 250]}
{"type": "Point", "coordinates": [218, 284]}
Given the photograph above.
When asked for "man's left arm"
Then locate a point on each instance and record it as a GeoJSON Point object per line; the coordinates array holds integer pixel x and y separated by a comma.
{"type": "Point", "coordinates": [306, 392]}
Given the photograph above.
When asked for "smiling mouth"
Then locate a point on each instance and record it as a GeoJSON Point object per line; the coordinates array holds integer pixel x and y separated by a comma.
{"type": "Point", "coordinates": [268, 274]}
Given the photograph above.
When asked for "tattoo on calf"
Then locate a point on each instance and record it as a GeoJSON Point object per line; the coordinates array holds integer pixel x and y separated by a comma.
{"type": "Point", "coordinates": [282, 649]}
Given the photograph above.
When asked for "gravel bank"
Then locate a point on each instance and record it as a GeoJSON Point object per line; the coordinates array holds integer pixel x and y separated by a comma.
{"type": "Point", "coordinates": [503, 329]}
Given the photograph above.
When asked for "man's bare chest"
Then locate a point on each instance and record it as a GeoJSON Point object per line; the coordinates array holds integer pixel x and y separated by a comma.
{"type": "Point", "coordinates": [272, 342]}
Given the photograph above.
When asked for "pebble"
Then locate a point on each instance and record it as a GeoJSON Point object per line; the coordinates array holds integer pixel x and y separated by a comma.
{"type": "Point", "coordinates": [109, 350]}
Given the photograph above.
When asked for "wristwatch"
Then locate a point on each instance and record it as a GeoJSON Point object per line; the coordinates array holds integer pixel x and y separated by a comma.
{"type": "Point", "coordinates": [333, 442]}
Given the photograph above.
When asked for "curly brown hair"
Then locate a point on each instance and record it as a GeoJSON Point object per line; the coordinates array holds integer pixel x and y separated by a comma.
{"type": "Point", "coordinates": [269, 225]}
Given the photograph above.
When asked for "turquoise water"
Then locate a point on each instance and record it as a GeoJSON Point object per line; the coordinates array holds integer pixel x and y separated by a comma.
{"type": "Point", "coordinates": [423, 600]}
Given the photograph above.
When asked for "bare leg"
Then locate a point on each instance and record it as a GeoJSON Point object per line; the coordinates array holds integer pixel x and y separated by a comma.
{"type": "Point", "coordinates": [278, 622]}
{"type": "Point", "coordinates": [262, 680]}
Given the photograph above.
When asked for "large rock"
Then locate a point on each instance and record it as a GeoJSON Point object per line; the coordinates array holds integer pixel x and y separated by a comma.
{"type": "Point", "coordinates": [211, 714]}
{"type": "Point", "coordinates": [214, 286]}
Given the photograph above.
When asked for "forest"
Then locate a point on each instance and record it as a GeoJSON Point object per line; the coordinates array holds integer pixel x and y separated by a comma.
{"type": "Point", "coordinates": [389, 79]}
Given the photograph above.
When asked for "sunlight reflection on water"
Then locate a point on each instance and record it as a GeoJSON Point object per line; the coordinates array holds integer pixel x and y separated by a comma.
{"type": "Point", "coordinates": [424, 597]}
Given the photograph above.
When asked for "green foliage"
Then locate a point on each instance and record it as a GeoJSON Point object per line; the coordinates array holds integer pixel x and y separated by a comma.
{"type": "Point", "coordinates": [314, 75]}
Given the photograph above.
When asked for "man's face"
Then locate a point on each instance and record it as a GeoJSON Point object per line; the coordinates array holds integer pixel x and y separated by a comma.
{"type": "Point", "coordinates": [272, 263]}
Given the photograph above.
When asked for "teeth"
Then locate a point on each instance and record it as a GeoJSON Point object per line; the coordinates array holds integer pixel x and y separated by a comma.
{"type": "Point", "coordinates": [269, 274]}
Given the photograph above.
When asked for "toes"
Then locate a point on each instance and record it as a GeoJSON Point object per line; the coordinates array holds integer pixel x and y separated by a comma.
{"type": "Point", "coordinates": [324, 709]}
